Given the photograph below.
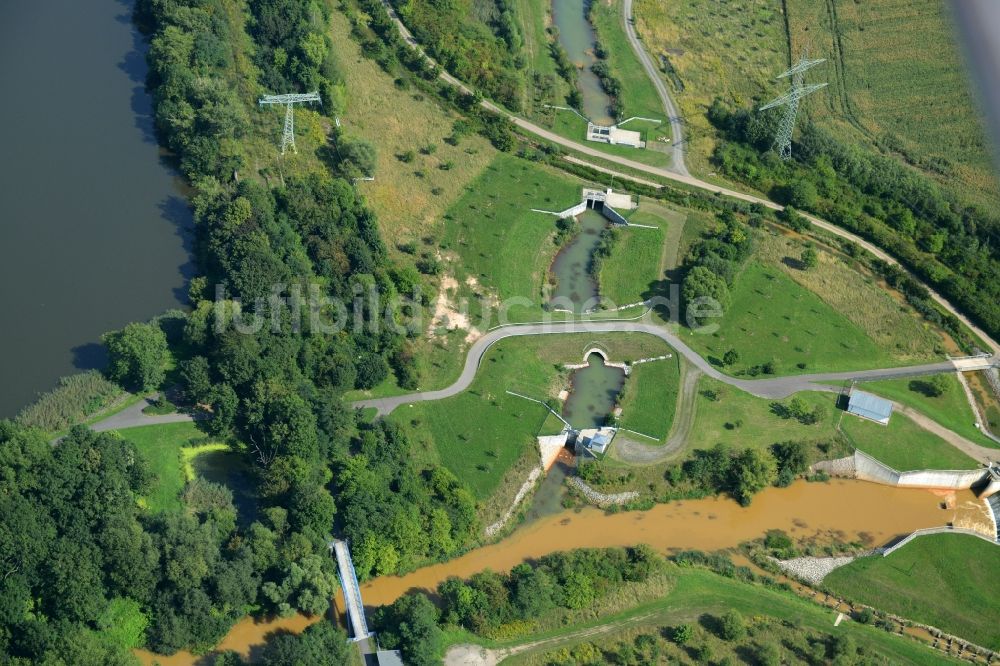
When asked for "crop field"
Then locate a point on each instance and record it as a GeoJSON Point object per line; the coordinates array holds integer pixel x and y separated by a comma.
{"type": "Point", "coordinates": [855, 293]}
{"type": "Point", "coordinates": [772, 318]}
{"type": "Point", "coordinates": [641, 256]}
{"type": "Point", "coordinates": [945, 580]}
{"type": "Point", "coordinates": [649, 397]}
{"type": "Point", "coordinates": [895, 73]}
{"type": "Point", "coordinates": [483, 432]}
{"type": "Point", "coordinates": [903, 445]}
{"type": "Point", "coordinates": [408, 196]}
{"type": "Point", "coordinates": [951, 409]}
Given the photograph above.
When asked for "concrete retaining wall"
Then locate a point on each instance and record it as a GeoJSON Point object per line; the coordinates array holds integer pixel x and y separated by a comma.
{"type": "Point", "coordinates": [934, 530]}
{"type": "Point", "coordinates": [614, 216]}
{"type": "Point", "coordinates": [869, 469]}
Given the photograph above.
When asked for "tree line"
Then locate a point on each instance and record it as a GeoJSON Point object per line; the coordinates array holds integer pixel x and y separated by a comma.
{"type": "Point", "coordinates": [950, 245]}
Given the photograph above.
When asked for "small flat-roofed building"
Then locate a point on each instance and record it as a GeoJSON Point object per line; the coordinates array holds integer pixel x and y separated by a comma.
{"type": "Point", "coordinates": [869, 406]}
{"type": "Point", "coordinates": [389, 658]}
{"type": "Point", "coordinates": [599, 442]}
{"type": "Point", "coordinates": [614, 135]}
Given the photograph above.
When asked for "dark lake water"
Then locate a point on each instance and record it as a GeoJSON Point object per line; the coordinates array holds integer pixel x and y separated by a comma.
{"type": "Point", "coordinates": [595, 389]}
{"type": "Point", "coordinates": [576, 289]}
{"type": "Point", "coordinates": [94, 228]}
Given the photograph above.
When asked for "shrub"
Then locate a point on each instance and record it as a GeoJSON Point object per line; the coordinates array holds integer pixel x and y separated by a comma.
{"type": "Point", "coordinates": [731, 626]}
{"type": "Point", "coordinates": [76, 397]}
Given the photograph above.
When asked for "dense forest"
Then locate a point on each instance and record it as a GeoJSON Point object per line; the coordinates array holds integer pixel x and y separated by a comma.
{"type": "Point", "coordinates": [950, 245]}
{"type": "Point", "coordinates": [88, 570]}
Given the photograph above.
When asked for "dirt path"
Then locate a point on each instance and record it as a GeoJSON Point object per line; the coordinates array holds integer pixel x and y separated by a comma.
{"type": "Point", "coordinates": [971, 449]}
{"type": "Point", "coordinates": [629, 450]}
{"type": "Point", "coordinates": [476, 655]}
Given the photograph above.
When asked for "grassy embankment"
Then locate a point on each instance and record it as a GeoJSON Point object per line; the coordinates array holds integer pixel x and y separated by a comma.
{"type": "Point", "coordinates": [773, 319]}
{"type": "Point", "coordinates": [487, 437]}
{"type": "Point", "coordinates": [945, 580]}
{"type": "Point", "coordinates": [638, 95]}
{"type": "Point", "coordinates": [728, 416]}
{"type": "Point", "coordinates": [649, 397]}
{"type": "Point", "coordinates": [895, 75]}
{"type": "Point", "coordinates": [697, 597]}
{"type": "Point", "coordinates": [636, 267]}
{"type": "Point", "coordinates": [951, 409]}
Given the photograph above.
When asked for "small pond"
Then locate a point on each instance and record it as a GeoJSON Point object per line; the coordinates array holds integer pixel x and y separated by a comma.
{"type": "Point", "coordinates": [595, 389]}
{"type": "Point", "coordinates": [576, 35]}
{"type": "Point", "coordinates": [576, 289]}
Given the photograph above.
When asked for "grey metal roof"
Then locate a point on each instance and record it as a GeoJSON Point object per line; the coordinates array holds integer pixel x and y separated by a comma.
{"type": "Point", "coordinates": [870, 406]}
{"type": "Point", "coordinates": [389, 658]}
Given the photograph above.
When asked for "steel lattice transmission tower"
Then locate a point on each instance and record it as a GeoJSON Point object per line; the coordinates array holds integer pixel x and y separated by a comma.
{"type": "Point", "coordinates": [790, 100]}
{"type": "Point", "coordinates": [290, 100]}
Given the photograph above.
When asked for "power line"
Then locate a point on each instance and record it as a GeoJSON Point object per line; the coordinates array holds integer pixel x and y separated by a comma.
{"type": "Point", "coordinates": [790, 100]}
{"type": "Point", "coordinates": [289, 100]}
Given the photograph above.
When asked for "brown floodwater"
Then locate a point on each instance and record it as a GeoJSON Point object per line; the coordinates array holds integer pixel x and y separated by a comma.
{"type": "Point", "coordinates": [846, 510]}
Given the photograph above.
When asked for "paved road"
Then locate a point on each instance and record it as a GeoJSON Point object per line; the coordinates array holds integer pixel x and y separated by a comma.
{"type": "Point", "coordinates": [673, 115]}
{"type": "Point", "coordinates": [132, 417]}
{"type": "Point", "coordinates": [687, 179]}
{"type": "Point", "coordinates": [774, 387]}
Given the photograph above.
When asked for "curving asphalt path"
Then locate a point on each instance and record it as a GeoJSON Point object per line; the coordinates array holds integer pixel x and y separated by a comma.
{"type": "Point", "coordinates": [774, 387]}
{"type": "Point", "coordinates": [673, 115]}
{"type": "Point", "coordinates": [687, 179]}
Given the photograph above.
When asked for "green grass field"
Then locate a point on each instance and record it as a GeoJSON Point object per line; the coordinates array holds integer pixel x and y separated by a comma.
{"type": "Point", "coordinates": [951, 409]}
{"type": "Point", "coordinates": [853, 291]}
{"type": "Point", "coordinates": [649, 397]}
{"type": "Point", "coordinates": [945, 580]}
{"type": "Point", "coordinates": [774, 616]}
{"type": "Point", "coordinates": [642, 255]}
{"type": "Point", "coordinates": [481, 433]}
{"type": "Point", "coordinates": [161, 446]}
{"type": "Point", "coordinates": [740, 420]}
{"type": "Point", "coordinates": [903, 445]}
{"type": "Point", "coordinates": [773, 318]}
{"type": "Point", "coordinates": [492, 235]}
{"type": "Point", "coordinates": [638, 96]}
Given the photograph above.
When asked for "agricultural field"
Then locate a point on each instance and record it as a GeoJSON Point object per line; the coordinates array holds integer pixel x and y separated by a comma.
{"type": "Point", "coordinates": [896, 78]}
{"type": "Point", "coordinates": [773, 319]}
{"type": "Point", "coordinates": [903, 445]}
{"type": "Point", "coordinates": [649, 398]}
{"type": "Point", "coordinates": [945, 580]}
{"type": "Point", "coordinates": [636, 267]}
{"type": "Point", "coordinates": [409, 196]}
{"type": "Point", "coordinates": [481, 434]}
{"type": "Point", "coordinates": [951, 409]}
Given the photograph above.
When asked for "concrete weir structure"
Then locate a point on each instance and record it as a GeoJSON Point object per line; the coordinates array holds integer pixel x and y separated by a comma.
{"type": "Point", "coordinates": [603, 201]}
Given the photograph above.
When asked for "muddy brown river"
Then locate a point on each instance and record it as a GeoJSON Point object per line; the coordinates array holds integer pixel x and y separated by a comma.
{"type": "Point", "coordinates": [847, 510]}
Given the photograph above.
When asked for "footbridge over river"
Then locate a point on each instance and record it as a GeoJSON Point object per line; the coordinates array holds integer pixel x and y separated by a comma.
{"type": "Point", "coordinates": [352, 592]}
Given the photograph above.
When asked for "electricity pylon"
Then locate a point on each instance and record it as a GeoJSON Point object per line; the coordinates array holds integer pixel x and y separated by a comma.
{"type": "Point", "coordinates": [790, 100]}
{"type": "Point", "coordinates": [288, 137]}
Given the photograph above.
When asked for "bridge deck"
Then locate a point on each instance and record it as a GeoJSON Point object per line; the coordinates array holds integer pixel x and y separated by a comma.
{"type": "Point", "coordinates": [352, 592]}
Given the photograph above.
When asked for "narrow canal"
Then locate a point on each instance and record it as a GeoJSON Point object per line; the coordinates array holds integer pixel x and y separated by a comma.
{"type": "Point", "coordinates": [576, 35]}
{"type": "Point", "coordinates": [576, 289]}
{"type": "Point", "coordinates": [841, 509]}
{"type": "Point", "coordinates": [93, 224]}
{"type": "Point", "coordinates": [594, 391]}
